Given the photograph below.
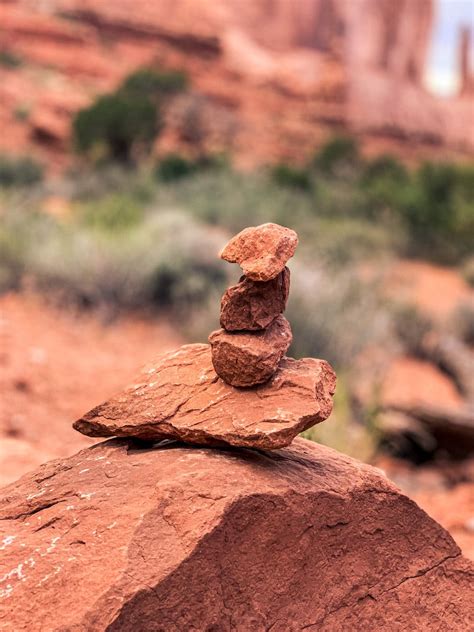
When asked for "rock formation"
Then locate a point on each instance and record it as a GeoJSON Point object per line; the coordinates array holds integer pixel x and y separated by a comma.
{"type": "Point", "coordinates": [311, 60]}
{"type": "Point", "coordinates": [191, 394]}
{"type": "Point", "coordinates": [122, 537]}
{"type": "Point", "coordinates": [255, 336]}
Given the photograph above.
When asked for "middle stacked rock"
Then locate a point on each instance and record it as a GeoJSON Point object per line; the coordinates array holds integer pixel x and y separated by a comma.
{"type": "Point", "coordinates": [254, 335]}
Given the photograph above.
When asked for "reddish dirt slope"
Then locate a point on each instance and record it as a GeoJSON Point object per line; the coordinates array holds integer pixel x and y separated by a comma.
{"type": "Point", "coordinates": [54, 366]}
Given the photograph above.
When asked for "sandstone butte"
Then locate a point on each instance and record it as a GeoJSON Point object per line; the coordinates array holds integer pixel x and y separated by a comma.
{"type": "Point", "coordinates": [261, 251]}
{"type": "Point", "coordinates": [122, 538]}
{"type": "Point", "coordinates": [181, 397]}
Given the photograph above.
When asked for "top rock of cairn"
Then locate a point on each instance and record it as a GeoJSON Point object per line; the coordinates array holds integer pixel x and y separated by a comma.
{"type": "Point", "coordinates": [241, 390]}
{"type": "Point", "coordinates": [261, 251]}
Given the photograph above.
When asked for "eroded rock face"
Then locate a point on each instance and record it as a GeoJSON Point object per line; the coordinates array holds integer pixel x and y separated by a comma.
{"type": "Point", "coordinates": [245, 359]}
{"type": "Point", "coordinates": [253, 305]}
{"type": "Point", "coordinates": [181, 397]}
{"type": "Point", "coordinates": [122, 538]}
{"type": "Point", "coordinates": [261, 251]}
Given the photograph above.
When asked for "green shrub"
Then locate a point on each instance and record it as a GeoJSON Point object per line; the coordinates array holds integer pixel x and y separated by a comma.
{"type": "Point", "coordinates": [113, 213]}
{"type": "Point", "coordinates": [411, 327]}
{"type": "Point", "coordinates": [117, 126]}
{"type": "Point", "coordinates": [359, 440]}
{"type": "Point", "coordinates": [21, 171]}
{"type": "Point", "coordinates": [334, 315]}
{"type": "Point", "coordinates": [165, 260]}
{"type": "Point", "coordinates": [8, 59]}
{"type": "Point", "coordinates": [463, 323]}
{"type": "Point", "coordinates": [22, 112]}
{"type": "Point", "coordinates": [154, 84]}
{"type": "Point", "coordinates": [439, 211]}
{"type": "Point", "coordinates": [338, 156]}
{"type": "Point", "coordinates": [293, 177]}
{"type": "Point", "coordinates": [173, 167]}
{"type": "Point", "coordinates": [383, 184]}
{"type": "Point", "coordinates": [467, 270]}
{"type": "Point", "coordinates": [384, 167]}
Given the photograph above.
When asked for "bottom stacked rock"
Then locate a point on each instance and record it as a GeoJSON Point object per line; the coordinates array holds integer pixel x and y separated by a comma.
{"type": "Point", "coordinates": [181, 397]}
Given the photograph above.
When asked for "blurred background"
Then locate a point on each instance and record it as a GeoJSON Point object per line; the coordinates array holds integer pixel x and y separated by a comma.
{"type": "Point", "coordinates": [137, 136]}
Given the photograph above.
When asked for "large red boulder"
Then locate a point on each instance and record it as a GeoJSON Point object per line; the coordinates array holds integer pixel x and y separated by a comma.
{"type": "Point", "coordinates": [124, 537]}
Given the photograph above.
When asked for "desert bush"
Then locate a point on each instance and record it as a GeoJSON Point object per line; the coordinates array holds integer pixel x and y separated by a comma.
{"type": "Point", "coordinates": [338, 156]}
{"type": "Point", "coordinates": [383, 182]}
{"type": "Point", "coordinates": [113, 213]}
{"type": "Point", "coordinates": [439, 212]}
{"type": "Point", "coordinates": [384, 166]}
{"type": "Point", "coordinates": [173, 167]}
{"type": "Point", "coordinates": [334, 315]}
{"type": "Point", "coordinates": [8, 59]}
{"type": "Point", "coordinates": [19, 171]}
{"type": "Point", "coordinates": [117, 126]}
{"type": "Point", "coordinates": [411, 328]}
{"type": "Point", "coordinates": [166, 260]}
{"type": "Point", "coordinates": [463, 323]}
{"type": "Point", "coordinates": [359, 440]}
{"type": "Point", "coordinates": [13, 247]}
{"type": "Point", "coordinates": [22, 112]}
{"type": "Point", "coordinates": [288, 176]}
{"type": "Point", "coordinates": [467, 270]}
{"type": "Point", "coordinates": [154, 84]}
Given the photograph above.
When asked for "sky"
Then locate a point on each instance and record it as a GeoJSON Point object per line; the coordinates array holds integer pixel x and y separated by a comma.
{"type": "Point", "coordinates": [442, 76]}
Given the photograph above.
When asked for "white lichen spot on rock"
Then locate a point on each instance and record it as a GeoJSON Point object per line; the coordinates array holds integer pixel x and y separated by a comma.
{"type": "Point", "coordinates": [7, 540]}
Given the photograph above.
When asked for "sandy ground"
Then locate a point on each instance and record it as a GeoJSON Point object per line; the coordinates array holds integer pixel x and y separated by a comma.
{"type": "Point", "coordinates": [56, 364]}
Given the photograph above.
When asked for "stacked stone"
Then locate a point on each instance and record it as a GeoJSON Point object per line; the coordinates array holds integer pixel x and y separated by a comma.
{"type": "Point", "coordinates": [255, 335]}
{"type": "Point", "coordinates": [180, 397]}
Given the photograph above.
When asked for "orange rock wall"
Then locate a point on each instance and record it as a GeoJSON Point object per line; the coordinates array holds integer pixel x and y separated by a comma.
{"type": "Point", "coordinates": [287, 73]}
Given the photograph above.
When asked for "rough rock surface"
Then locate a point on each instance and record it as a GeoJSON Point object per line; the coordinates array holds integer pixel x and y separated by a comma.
{"type": "Point", "coordinates": [253, 305]}
{"type": "Point", "coordinates": [121, 537]}
{"type": "Point", "coordinates": [246, 359]}
{"type": "Point", "coordinates": [181, 397]}
{"type": "Point", "coordinates": [261, 251]}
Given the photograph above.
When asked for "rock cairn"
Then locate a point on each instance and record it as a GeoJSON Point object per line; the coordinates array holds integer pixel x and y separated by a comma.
{"type": "Point", "coordinates": [254, 335]}
{"type": "Point", "coordinates": [190, 394]}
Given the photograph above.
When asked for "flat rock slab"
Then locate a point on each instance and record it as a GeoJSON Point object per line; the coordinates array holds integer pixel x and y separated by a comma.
{"type": "Point", "coordinates": [254, 305]}
{"type": "Point", "coordinates": [120, 538]}
{"type": "Point", "coordinates": [181, 397]}
{"type": "Point", "coordinates": [245, 359]}
{"type": "Point", "coordinates": [261, 251]}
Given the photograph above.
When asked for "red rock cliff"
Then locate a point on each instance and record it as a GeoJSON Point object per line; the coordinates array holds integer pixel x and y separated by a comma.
{"type": "Point", "coordinates": [286, 73]}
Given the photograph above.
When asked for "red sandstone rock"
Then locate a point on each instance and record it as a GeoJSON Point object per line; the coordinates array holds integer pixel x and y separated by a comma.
{"type": "Point", "coordinates": [246, 359]}
{"type": "Point", "coordinates": [312, 60]}
{"type": "Point", "coordinates": [261, 251]}
{"type": "Point", "coordinates": [123, 538]}
{"type": "Point", "coordinates": [253, 305]}
{"type": "Point", "coordinates": [181, 397]}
